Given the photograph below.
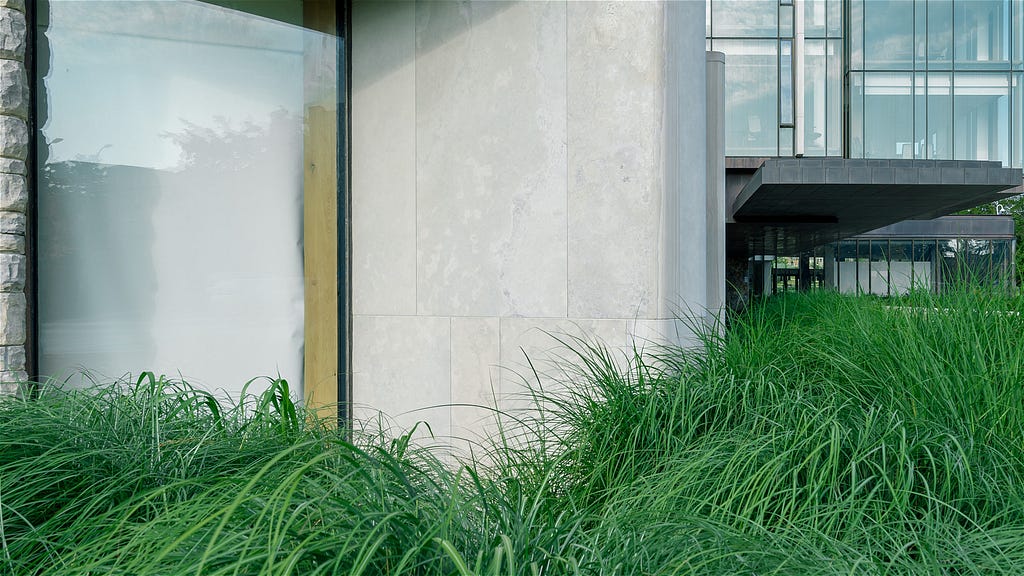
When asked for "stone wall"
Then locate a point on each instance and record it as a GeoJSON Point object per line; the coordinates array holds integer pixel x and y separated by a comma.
{"type": "Point", "coordinates": [521, 171]}
{"type": "Point", "coordinates": [14, 142]}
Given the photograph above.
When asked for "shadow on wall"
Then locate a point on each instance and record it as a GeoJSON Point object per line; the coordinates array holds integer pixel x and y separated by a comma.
{"type": "Point", "coordinates": [374, 15]}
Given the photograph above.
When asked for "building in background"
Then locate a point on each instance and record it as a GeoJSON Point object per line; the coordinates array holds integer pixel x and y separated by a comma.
{"type": "Point", "coordinates": [872, 80]}
{"type": "Point", "coordinates": [397, 205]}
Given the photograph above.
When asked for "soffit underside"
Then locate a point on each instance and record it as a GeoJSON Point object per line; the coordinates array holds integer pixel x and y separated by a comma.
{"type": "Point", "coordinates": [791, 205]}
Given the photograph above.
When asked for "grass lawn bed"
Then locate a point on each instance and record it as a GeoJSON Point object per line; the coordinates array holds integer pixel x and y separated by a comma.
{"type": "Point", "coordinates": [821, 434]}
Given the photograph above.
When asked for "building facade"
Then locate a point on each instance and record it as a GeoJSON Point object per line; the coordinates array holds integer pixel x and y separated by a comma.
{"type": "Point", "coordinates": [403, 206]}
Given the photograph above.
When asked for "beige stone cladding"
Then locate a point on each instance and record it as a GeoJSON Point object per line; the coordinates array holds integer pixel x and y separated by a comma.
{"type": "Point", "coordinates": [520, 171]}
{"type": "Point", "coordinates": [14, 143]}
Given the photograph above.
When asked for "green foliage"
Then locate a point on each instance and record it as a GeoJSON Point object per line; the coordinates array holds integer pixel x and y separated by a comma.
{"type": "Point", "coordinates": [1014, 207]}
{"type": "Point", "coordinates": [821, 434]}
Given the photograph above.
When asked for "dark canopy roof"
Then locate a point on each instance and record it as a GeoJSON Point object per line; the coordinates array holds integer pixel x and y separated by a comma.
{"type": "Point", "coordinates": [794, 204]}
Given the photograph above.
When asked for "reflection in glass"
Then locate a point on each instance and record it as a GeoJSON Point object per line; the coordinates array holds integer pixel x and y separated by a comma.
{"type": "Point", "coordinates": [856, 34]}
{"type": "Point", "coordinates": [1017, 120]}
{"type": "Point", "coordinates": [940, 34]}
{"type": "Point", "coordinates": [856, 115]}
{"type": "Point", "coordinates": [170, 188]}
{"type": "Point", "coordinates": [888, 35]}
{"type": "Point", "coordinates": [745, 18]}
{"type": "Point", "coordinates": [981, 117]}
{"type": "Point", "coordinates": [786, 83]}
{"type": "Point", "coordinates": [1017, 28]}
{"type": "Point", "coordinates": [939, 144]}
{"type": "Point", "coordinates": [920, 116]}
{"type": "Point", "coordinates": [834, 98]}
{"type": "Point", "coordinates": [814, 18]}
{"type": "Point", "coordinates": [815, 98]}
{"type": "Point", "coordinates": [888, 115]}
{"type": "Point", "coordinates": [751, 109]}
{"type": "Point", "coordinates": [834, 9]}
{"type": "Point", "coordinates": [786, 21]}
{"type": "Point", "coordinates": [982, 34]}
{"type": "Point", "coordinates": [786, 141]}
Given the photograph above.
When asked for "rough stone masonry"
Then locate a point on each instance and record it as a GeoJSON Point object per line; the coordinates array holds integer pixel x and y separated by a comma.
{"type": "Point", "coordinates": [14, 143]}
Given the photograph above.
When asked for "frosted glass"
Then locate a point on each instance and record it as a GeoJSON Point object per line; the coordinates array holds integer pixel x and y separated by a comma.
{"type": "Point", "coordinates": [170, 191]}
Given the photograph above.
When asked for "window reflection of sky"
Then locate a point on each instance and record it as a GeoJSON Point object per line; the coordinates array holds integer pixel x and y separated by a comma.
{"type": "Point", "coordinates": [141, 69]}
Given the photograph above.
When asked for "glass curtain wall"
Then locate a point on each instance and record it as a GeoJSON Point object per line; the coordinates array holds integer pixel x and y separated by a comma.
{"type": "Point", "coordinates": [177, 147]}
{"type": "Point", "coordinates": [895, 266]}
{"type": "Point", "coordinates": [936, 79]}
{"type": "Point", "coordinates": [757, 37]}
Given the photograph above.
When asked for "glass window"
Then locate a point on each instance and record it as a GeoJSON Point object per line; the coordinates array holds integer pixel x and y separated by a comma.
{"type": "Point", "coordinates": [814, 18]}
{"type": "Point", "coordinates": [901, 266]}
{"type": "Point", "coordinates": [786, 83]}
{"type": "Point", "coordinates": [1002, 262]}
{"type": "Point", "coordinates": [751, 88]}
{"type": "Point", "coordinates": [888, 115]}
{"type": "Point", "coordinates": [940, 34]}
{"type": "Point", "coordinates": [1017, 120]}
{"type": "Point", "coordinates": [815, 98]}
{"type": "Point", "coordinates": [171, 170]}
{"type": "Point", "coordinates": [888, 35]}
{"type": "Point", "coordinates": [745, 18]}
{"type": "Point", "coordinates": [1017, 30]}
{"type": "Point", "coordinates": [786, 141]}
{"type": "Point", "coordinates": [981, 117]}
{"type": "Point", "coordinates": [786, 21]}
{"type": "Point", "coordinates": [982, 35]}
{"type": "Point", "coordinates": [834, 9]}
{"type": "Point", "coordinates": [856, 38]}
{"type": "Point", "coordinates": [920, 34]}
{"type": "Point", "coordinates": [920, 117]}
{"type": "Point", "coordinates": [856, 115]}
{"type": "Point", "coordinates": [707, 18]}
{"type": "Point", "coordinates": [834, 98]}
{"type": "Point", "coordinates": [939, 143]}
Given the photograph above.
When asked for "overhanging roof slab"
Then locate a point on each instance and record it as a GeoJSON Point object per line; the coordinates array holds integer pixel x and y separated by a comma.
{"type": "Point", "coordinates": [800, 201]}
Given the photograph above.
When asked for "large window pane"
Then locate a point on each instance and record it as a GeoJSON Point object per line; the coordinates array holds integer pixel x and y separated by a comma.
{"type": "Point", "coordinates": [920, 116]}
{"type": "Point", "coordinates": [856, 34]}
{"type": "Point", "coordinates": [171, 187]}
{"type": "Point", "coordinates": [1017, 30]}
{"type": "Point", "coordinates": [834, 9]}
{"type": "Point", "coordinates": [786, 83]}
{"type": "Point", "coordinates": [751, 105]}
{"type": "Point", "coordinates": [814, 18]}
{"type": "Point", "coordinates": [888, 35]}
{"type": "Point", "coordinates": [981, 117]}
{"type": "Point", "coordinates": [815, 98]}
{"type": "Point", "coordinates": [1017, 120]}
{"type": "Point", "coordinates": [888, 115]}
{"type": "Point", "coordinates": [982, 35]}
{"type": "Point", "coordinates": [786, 21]}
{"type": "Point", "coordinates": [940, 117]}
{"type": "Point", "coordinates": [856, 115]}
{"type": "Point", "coordinates": [940, 34]}
{"type": "Point", "coordinates": [745, 18]}
{"type": "Point", "coordinates": [834, 98]}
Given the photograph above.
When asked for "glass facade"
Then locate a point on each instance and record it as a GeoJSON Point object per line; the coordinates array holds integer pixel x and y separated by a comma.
{"type": "Point", "coordinates": [173, 146]}
{"type": "Point", "coordinates": [895, 266]}
{"type": "Point", "coordinates": [936, 79]}
{"type": "Point", "coordinates": [930, 79]}
{"type": "Point", "coordinates": [757, 37]}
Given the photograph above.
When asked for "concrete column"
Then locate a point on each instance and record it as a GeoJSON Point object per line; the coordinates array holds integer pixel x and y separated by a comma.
{"type": "Point", "coordinates": [14, 143]}
{"type": "Point", "coordinates": [716, 188]}
{"type": "Point", "coordinates": [685, 184]}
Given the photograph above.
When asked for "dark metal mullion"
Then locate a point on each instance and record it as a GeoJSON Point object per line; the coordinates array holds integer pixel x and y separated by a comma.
{"type": "Point", "coordinates": [344, 47]}
{"type": "Point", "coordinates": [32, 182]}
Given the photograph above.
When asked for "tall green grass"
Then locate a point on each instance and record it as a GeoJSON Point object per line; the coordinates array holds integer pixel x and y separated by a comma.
{"type": "Point", "coordinates": [821, 434]}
